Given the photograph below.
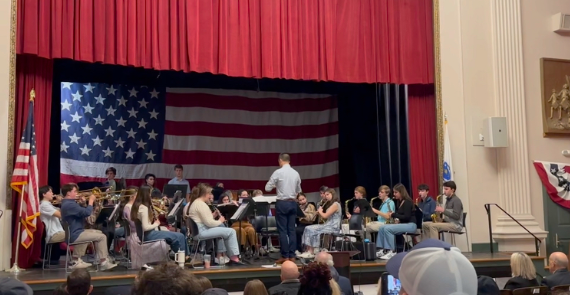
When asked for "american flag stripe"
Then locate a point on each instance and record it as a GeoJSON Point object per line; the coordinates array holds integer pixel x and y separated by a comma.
{"type": "Point", "coordinates": [24, 181]}
{"type": "Point", "coordinates": [244, 159]}
{"type": "Point", "coordinates": [232, 136]}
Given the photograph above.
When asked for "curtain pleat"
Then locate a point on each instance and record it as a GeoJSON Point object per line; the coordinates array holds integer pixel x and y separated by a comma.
{"type": "Point", "coordinates": [365, 41]}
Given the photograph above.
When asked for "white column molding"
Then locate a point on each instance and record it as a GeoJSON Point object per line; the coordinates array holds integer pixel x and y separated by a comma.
{"type": "Point", "coordinates": [513, 162]}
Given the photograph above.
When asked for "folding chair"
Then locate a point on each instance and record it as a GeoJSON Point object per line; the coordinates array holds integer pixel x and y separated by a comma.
{"type": "Point", "coordinates": [196, 238]}
{"type": "Point", "coordinates": [69, 244]}
{"type": "Point", "coordinates": [453, 233]}
{"type": "Point", "coordinates": [47, 254]}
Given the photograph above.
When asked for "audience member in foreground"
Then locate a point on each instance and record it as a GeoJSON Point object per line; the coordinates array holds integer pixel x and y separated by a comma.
{"type": "Point", "coordinates": [524, 273]}
{"type": "Point", "coordinates": [487, 286]}
{"type": "Point", "coordinates": [10, 286]}
{"type": "Point", "coordinates": [167, 278]}
{"type": "Point", "coordinates": [255, 287]}
{"type": "Point", "coordinates": [343, 282]}
{"type": "Point", "coordinates": [289, 280]}
{"type": "Point", "coordinates": [433, 267]}
{"type": "Point", "coordinates": [79, 282]}
{"type": "Point", "coordinates": [215, 291]}
{"type": "Point", "coordinates": [317, 280]}
{"type": "Point", "coordinates": [204, 283]}
{"type": "Point", "coordinates": [558, 266]}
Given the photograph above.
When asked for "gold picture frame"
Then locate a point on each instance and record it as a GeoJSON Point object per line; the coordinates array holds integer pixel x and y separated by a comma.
{"type": "Point", "coordinates": [555, 92]}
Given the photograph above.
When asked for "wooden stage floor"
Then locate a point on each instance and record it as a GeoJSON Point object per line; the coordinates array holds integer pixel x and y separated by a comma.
{"type": "Point", "coordinates": [234, 278]}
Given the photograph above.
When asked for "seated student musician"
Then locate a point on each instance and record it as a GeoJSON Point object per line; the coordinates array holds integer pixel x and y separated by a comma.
{"type": "Point", "coordinates": [75, 215]}
{"type": "Point", "coordinates": [386, 208]}
{"type": "Point", "coordinates": [359, 193]}
{"type": "Point", "coordinates": [200, 213]}
{"type": "Point", "coordinates": [246, 235]}
{"type": "Point", "coordinates": [142, 211]}
{"type": "Point", "coordinates": [404, 222]}
{"type": "Point", "coordinates": [333, 216]}
{"type": "Point", "coordinates": [149, 180]}
{"type": "Point", "coordinates": [310, 211]}
{"type": "Point", "coordinates": [51, 216]}
{"type": "Point", "coordinates": [426, 204]}
{"type": "Point", "coordinates": [452, 214]}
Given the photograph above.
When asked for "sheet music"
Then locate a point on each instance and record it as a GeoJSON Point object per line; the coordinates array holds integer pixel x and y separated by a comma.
{"type": "Point", "coordinates": [265, 199]}
{"type": "Point", "coordinates": [175, 208]}
{"type": "Point", "coordinates": [113, 213]}
{"type": "Point", "coordinates": [239, 211]}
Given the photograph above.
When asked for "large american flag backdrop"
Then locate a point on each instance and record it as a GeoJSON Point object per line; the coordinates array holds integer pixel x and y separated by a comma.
{"type": "Point", "coordinates": [232, 136]}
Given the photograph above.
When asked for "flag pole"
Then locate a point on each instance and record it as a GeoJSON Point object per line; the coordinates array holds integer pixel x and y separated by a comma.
{"type": "Point", "coordinates": [15, 268]}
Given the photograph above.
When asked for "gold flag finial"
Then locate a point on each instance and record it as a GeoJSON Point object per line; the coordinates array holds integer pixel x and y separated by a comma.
{"type": "Point", "coordinates": [32, 95]}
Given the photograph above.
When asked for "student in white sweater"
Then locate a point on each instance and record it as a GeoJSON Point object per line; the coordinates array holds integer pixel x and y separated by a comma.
{"type": "Point", "coordinates": [140, 211]}
{"type": "Point", "coordinates": [208, 227]}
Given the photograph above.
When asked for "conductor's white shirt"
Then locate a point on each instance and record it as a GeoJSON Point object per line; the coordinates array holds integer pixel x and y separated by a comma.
{"type": "Point", "coordinates": [287, 181]}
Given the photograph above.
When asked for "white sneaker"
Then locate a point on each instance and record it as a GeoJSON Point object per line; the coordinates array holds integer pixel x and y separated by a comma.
{"type": "Point", "coordinates": [273, 250]}
{"type": "Point", "coordinates": [306, 255]}
{"type": "Point", "coordinates": [80, 264]}
{"type": "Point", "coordinates": [222, 260]}
{"type": "Point", "coordinates": [388, 255]}
{"type": "Point", "coordinates": [380, 253]}
{"type": "Point", "coordinates": [297, 253]}
{"type": "Point", "coordinates": [106, 265]}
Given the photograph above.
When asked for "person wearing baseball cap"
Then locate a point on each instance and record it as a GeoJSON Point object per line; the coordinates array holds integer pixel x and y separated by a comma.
{"type": "Point", "coordinates": [9, 286]}
{"type": "Point", "coordinates": [433, 267]}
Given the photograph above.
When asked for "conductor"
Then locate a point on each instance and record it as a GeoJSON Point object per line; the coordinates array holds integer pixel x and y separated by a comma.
{"type": "Point", "coordinates": [288, 184]}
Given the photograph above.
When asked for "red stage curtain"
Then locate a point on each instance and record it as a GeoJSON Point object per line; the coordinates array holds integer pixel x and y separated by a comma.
{"type": "Point", "coordinates": [422, 123]}
{"type": "Point", "coordinates": [37, 73]}
{"type": "Point", "coordinates": [365, 41]}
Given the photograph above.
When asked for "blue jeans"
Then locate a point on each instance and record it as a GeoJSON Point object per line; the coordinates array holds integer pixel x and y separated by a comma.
{"type": "Point", "coordinates": [286, 214]}
{"type": "Point", "coordinates": [227, 241]}
{"type": "Point", "coordinates": [119, 232]}
{"type": "Point", "coordinates": [177, 241]}
{"type": "Point", "coordinates": [387, 234]}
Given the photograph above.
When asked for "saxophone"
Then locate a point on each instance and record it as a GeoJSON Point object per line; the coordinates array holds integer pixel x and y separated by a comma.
{"type": "Point", "coordinates": [437, 217]}
{"type": "Point", "coordinates": [372, 205]}
{"type": "Point", "coordinates": [389, 220]}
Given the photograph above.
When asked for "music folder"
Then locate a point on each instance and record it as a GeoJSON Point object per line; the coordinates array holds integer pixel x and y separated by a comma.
{"type": "Point", "coordinates": [170, 189]}
{"type": "Point", "coordinates": [114, 212]}
{"type": "Point", "coordinates": [227, 210]}
{"type": "Point", "coordinates": [105, 214]}
{"type": "Point", "coordinates": [240, 212]}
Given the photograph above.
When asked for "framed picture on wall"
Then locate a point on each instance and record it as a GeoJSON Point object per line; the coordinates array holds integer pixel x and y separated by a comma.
{"type": "Point", "coordinates": [555, 86]}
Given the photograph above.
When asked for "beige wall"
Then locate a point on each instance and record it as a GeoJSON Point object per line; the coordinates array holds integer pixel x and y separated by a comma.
{"type": "Point", "coordinates": [5, 226]}
{"type": "Point", "coordinates": [469, 95]}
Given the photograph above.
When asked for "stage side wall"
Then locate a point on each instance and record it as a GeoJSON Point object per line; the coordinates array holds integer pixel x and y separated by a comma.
{"type": "Point", "coordinates": [468, 91]}
{"type": "Point", "coordinates": [5, 226]}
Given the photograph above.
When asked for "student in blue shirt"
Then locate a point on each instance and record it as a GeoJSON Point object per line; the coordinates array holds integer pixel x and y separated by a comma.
{"type": "Point", "coordinates": [386, 208]}
{"type": "Point", "coordinates": [426, 203]}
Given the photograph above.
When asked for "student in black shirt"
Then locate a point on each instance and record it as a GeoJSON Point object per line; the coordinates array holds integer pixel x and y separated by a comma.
{"type": "Point", "coordinates": [404, 222]}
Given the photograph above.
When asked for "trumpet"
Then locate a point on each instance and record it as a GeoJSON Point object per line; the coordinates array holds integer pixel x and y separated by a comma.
{"type": "Point", "coordinates": [437, 217]}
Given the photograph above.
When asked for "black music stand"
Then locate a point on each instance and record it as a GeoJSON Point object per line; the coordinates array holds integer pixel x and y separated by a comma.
{"type": "Point", "coordinates": [170, 190]}
{"type": "Point", "coordinates": [227, 210]}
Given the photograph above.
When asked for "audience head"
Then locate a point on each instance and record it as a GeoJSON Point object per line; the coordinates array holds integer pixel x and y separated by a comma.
{"type": "Point", "coordinates": [289, 271]}
{"type": "Point", "coordinates": [79, 282]}
{"type": "Point", "coordinates": [255, 287]}
{"type": "Point", "coordinates": [522, 266]}
{"type": "Point", "coordinates": [316, 279]}
{"type": "Point", "coordinates": [215, 291]}
{"type": "Point", "coordinates": [449, 188]}
{"type": "Point", "coordinates": [359, 192]}
{"type": "Point", "coordinates": [10, 286]}
{"type": "Point", "coordinates": [60, 290]}
{"type": "Point", "coordinates": [204, 283]}
{"type": "Point", "coordinates": [487, 286]}
{"type": "Point", "coordinates": [556, 261]}
{"type": "Point", "coordinates": [324, 258]}
{"type": "Point", "coordinates": [167, 278]}
{"type": "Point", "coordinates": [434, 267]}
{"type": "Point", "coordinates": [284, 159]}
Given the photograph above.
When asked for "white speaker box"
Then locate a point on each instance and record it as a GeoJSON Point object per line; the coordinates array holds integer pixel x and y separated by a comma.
{"type": "Point", "coordinates": [495, 132]}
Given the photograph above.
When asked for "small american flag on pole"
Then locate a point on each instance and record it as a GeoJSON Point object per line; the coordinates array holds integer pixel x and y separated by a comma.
{"type": "Point", "coordinates": [25, 180]}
